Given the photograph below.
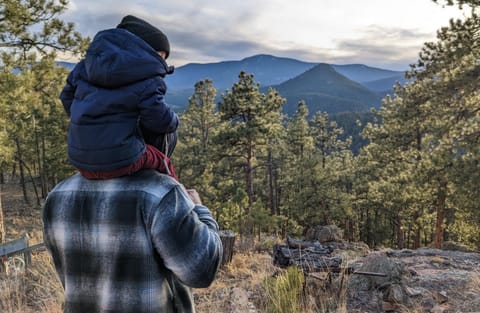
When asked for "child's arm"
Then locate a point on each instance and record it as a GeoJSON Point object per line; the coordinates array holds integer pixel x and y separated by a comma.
{"type": "Point", "coordinates": [67, 94]}
{"type": "Point", "coordinates": [155, 114]}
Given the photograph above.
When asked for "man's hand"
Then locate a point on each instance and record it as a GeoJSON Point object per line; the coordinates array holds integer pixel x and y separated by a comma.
{"type": "Point", "coordinates": [194, 196]}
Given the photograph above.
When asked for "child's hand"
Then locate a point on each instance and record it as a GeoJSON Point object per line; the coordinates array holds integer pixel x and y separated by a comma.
{"type": "Point", "coordinates": [194, 196]}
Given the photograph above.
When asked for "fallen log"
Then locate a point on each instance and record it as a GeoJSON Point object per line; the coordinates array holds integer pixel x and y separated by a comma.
{"type": "Point", "coordinates": [315, 247]}
{"type": "Point", "coordinates": [310, 260]}
{"type": "Point", "coordinates": [299, 244]}
{"type": "Point", "coordinates": [370, 274]}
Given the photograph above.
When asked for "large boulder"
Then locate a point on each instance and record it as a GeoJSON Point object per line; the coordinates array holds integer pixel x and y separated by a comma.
{"type": "Point", "coordinates": [323, 234]}
{"type": "Point", "coordinates": [456, 246]}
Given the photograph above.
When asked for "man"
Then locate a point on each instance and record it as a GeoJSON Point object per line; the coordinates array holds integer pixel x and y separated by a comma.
{"type": "Point", "coordinates": [131, 244]}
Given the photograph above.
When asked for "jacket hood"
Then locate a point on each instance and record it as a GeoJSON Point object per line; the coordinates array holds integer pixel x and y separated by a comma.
{"type": "Point", "coordinates": [117, 57]}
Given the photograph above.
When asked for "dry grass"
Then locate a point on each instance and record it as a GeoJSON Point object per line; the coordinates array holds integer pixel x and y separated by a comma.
{"type": "Point", "coordinates": [36, 289]}
{"type": "Point", "coordinates": [246, 271]}
{"type": "Point", "coordinates": [273, 290]}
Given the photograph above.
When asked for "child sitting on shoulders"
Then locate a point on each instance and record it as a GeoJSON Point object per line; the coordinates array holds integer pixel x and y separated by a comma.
{"type": "Point", "coordinates": [113, 96]}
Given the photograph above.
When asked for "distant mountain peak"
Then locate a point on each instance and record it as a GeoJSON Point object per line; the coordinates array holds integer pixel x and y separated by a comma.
{"type": "Point", "coordinates": [267, 69]}
{"type": "Point", "coordinates": [268, 57]}
{"type": "Point", "coordinates": [260, 56]}
{"type": "Point", "coordinates": [326, 90]}
{"type": "Point", "coordinates": [319, 78]}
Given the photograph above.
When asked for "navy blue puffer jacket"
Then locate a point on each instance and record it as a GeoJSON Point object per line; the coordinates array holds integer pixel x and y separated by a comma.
{"type": "Point", "coordinates": [118, 87]}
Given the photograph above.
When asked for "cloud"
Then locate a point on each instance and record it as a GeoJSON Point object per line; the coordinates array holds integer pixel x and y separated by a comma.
{"type": "Point", "coordinates": [395, 48]}
{"type": "Point", "coordinates": [333, 31]}
{"type": "Point", "coordinates": [196, 33]}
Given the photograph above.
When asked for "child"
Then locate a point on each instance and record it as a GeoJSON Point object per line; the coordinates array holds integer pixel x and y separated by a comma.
{"type": "Point", "coordinates": [113, 95]}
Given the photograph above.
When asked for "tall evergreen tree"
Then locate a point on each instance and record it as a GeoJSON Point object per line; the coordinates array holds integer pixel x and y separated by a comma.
{"type": "Point", "coordinates": [32, 120]}
{"type": "Point", "coordinates": [427, 146]}
{"type": "Point", "coordinates": [194, 156]}
{"type": "Point", "coordinates": [449, 69]}
{"type": "Point", "coordinates": [298, 167]}
{"type": "Point", "coordinates": [250, 117]}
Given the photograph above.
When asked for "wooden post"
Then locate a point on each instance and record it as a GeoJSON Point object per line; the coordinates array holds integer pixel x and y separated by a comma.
{"type": "Point", "coordinates": [15, 247]}
{"type": "Point", "coordinates": [27, 255]}
{"type": "Point", "coordinates": [228, 242]}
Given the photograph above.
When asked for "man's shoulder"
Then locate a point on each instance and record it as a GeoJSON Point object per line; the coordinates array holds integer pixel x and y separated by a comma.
{"type": "Point", "coordinates": [152, 182]}
{"type": "Point", "coordinates": [145, 181]}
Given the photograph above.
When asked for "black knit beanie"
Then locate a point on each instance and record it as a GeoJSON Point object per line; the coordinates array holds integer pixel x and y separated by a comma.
{"type": "Point", "coordinates": [149, 33]}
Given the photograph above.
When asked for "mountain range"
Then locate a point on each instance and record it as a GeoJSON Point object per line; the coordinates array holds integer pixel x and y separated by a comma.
{"type": "Point", "coordinates": [324, 87]}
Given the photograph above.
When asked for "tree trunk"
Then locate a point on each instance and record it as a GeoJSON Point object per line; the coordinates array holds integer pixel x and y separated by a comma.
{"type": "Point", "coordinates": [368, 233]}
{"type": "Point", "coordinates": [2, 226]}
{"type": "Point", "coordinates": [417, 229]}
{"type": "Point", "coordinates": [22, 174]}
{"type": "Point", "coordinates": [33, 183]}
{"type": "Point", "coordinates": [278, 193]}
{"type": "Point", "coordinates": [249, 174]}
{"type": "Point", "coordinates": [228, 242]}
{"type": "Point", "coordinates": [271, 191]}
{"type": "Point", "coordinates": [43, 170]}
{"type": "Point", "coordinates": [3, 263]}
{"type": "Point", "coordinates": [400, 234]}
{"type": "Point", "coordinates": [250, 192]}
{"type": "Point", "coordinates": [440, 203]}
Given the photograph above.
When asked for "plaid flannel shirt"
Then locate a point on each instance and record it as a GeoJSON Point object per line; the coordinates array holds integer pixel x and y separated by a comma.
{"type": "Point", "coordinates": [131, 244]}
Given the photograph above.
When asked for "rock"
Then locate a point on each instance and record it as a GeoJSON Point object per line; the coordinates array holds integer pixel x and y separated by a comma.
{"type": "Point", "coordinates": [388, 307]}
{"type": "Point", "coordinates": [395, 294]}
{"type": "Point", "coordinates": [379, 262]}
{"type": "Point", "coordinates": [441, 297]}
{"type": "Point", "coordinates": [324, 234]}
{"type": "Point", "coordinates": [440, 309]}
{"type": "Point", "coordinates": [239, 301]}
{"type": "Point", "coordinates": [455, 246]}
{"type": "Point", "coordinates": [413, 292]}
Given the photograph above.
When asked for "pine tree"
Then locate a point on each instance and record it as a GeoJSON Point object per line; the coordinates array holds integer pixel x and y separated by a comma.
{"type": "Point", "coordinates": [449, 69]}
{"type": "Point", "coordinates": [333, 170]}
{"type": "Point", "coordinates": [32, 122]}
{"type": "Point", "coordinates": [298, 167]}
{"type": "Point", "coordinates": [194, 155]}
{"type": "Point", "coordinates": [316, 170]}
{"type": "Point", "coordinates": [34, 26]}
{"type": "Point", "coordinates": [426, 149]}
{"type": "Point", "coordinates": [250, 118]}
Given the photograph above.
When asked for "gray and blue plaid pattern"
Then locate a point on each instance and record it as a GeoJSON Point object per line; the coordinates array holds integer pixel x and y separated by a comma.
{"type": "Point", "coordinates": [130, 244]}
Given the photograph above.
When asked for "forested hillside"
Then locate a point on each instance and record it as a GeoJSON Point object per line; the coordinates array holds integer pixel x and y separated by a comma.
{"type": "Point", "coordinates": [415, 183]}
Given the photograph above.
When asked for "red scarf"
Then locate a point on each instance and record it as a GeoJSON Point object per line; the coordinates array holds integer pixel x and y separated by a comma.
{"type": "Point", "coordinates": [152, 158]}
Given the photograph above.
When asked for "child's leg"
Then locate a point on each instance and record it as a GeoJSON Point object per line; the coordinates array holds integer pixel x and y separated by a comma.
{"type": "Point", "coordinates": [151, 159]}
{"type": "Point", "coordinates": [155, 159]}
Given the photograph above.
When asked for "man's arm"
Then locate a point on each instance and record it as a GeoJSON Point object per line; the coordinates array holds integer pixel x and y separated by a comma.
{"type": "Point", "coordinates": [186, 237]}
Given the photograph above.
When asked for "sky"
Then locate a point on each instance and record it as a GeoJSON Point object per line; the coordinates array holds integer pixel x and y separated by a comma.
{"type": "Point", "coordinates": [381, 33]}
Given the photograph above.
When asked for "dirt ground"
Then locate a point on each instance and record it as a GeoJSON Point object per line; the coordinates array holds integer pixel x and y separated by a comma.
{"type": "Point", "coordinates": [19, 216]}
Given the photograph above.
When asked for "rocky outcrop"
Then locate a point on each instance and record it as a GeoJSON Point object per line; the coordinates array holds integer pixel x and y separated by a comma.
{"type": "Point", "coordinates": [422, 280]}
